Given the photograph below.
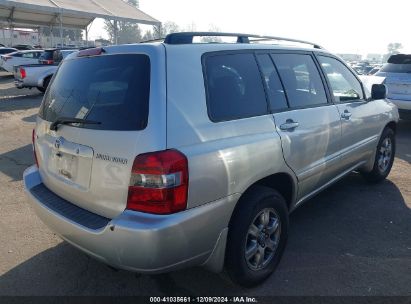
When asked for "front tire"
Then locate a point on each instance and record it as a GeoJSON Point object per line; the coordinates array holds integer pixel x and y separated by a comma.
{"type": "Point", "coordinates": [257, 236]}
{"type": "Point", "coordinates": [384, 157]}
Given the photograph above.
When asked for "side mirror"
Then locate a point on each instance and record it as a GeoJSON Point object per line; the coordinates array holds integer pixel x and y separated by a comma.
{"type": "Point", "coordinates": [378, 91]}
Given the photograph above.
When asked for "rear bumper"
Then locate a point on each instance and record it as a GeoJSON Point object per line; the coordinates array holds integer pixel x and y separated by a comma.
{"type": "Point", "coordinates": [19, 84]}
{"type": "Point", "coordinates": [142, 242]}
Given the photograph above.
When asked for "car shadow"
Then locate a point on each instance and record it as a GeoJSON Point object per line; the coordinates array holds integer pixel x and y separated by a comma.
{"type": "Point", "coordinates": [13, 163]}
{"type": "Point", "coordinates": [350, 240]}
{"type": "Point", "coordinates": [31, 118]}
{"type": "Point", "coordinates": [6, 77]}
{"type": "Point", "coordinates": [19, 102]}
{"type": "Point", "coordinates": [404, 140]}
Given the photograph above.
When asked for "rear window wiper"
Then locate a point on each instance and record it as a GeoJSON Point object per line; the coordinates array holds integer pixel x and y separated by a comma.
{"type": "Point", "coordinates": [71, 120]}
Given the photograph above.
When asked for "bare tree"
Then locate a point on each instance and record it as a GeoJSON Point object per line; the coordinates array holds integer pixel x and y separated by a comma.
{"type": "Point", "coordinates": [128, 32]}
{"type": "Point", "coordinates": [394, 48]}
{"type": "Point", "coordinates": [209, 39]}
{"type": "Point", "coordinates": [166, 28]}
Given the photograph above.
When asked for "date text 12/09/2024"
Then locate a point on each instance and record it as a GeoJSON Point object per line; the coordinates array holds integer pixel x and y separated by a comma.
{"type": "Point", "coordinates": [203, 300]}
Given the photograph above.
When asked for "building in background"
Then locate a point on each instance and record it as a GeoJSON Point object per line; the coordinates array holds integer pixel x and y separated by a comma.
{"type": "Point", "coordinates": [42, 37]}
{"type": "Point", "coordinates": [19, 36]}
{"type": "Point", "coordinates": [350, 57]}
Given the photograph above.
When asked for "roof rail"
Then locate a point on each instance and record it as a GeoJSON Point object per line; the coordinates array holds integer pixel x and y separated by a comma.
{"type": "Point", "coordinates": [187, 38]}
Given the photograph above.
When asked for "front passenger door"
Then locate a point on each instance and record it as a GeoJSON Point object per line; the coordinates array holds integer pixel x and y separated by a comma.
{"type": "Point", "coordinates": [360, 119]}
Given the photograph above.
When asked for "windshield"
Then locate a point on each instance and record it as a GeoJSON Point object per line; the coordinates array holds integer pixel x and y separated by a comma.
{"type": "Point", "coordinates": [111, 89]}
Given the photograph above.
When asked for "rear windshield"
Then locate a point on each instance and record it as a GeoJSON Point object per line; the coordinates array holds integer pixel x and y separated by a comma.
{"type": "Point", "coordinates": [400, 59]}
{"type": "Point", "coordinates": [111, 89]}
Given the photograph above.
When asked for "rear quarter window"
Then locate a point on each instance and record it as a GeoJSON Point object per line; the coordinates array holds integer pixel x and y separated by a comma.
{"type": "Point", "coordinates": [111, 89]}
{"type": "Point", "coordinates": [234, 87]}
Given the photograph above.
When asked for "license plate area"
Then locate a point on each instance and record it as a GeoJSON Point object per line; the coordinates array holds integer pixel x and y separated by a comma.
{"type": "Point", "coordinates": [64, 164]}
{"type": "Point", "coordinates": [70, 163]}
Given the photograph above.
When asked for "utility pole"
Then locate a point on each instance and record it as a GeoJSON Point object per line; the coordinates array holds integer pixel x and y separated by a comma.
{"type": "Point", "coordinates": [115, 31]}
{"type": "Point", "coordinates": [61, 27]}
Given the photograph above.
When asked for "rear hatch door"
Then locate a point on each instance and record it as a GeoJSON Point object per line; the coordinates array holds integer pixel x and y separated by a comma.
{"type": "Point", "coordinates": [123, 90]}
{"type": "Point", "coordinates": [398, 77]}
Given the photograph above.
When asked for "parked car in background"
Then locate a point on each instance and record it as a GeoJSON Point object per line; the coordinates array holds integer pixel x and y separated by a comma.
{"type": "Point", "coordinates": [39, 75]}
{"type": "Point", "coordinates": [6, 50]}
{"type": "Point", "coordinates": [158, 156]}
{"type": "Point", "coordinates": [373, 71]}
{"type": "Point", "coordinates": [23, 47]}
{"type": "Point", "coordinates": [49, 56]}
{"type": "Point", "coordinates": [397, 73]}
{"type": "Point", "coordinates": [7, 62]}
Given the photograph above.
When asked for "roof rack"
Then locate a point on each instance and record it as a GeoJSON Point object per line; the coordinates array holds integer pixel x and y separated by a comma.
{"type": "Point", "coordinates": [188, 37]}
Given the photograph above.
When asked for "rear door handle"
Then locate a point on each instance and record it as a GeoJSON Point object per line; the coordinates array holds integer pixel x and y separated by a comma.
{"type": "Point", "coordinates": [346, 115]}
{"type": "Point", "coordinates": [289, 125]}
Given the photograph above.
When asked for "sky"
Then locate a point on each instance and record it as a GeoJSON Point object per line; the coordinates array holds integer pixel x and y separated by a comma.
{"type": "Point", "coordinates": [349, 26]}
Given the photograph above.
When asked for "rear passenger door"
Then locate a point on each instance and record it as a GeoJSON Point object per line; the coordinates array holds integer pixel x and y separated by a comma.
{"type": "Point", "coordinates": [360, 119]}
{"type": "Point", "coordinates": [308, 124]}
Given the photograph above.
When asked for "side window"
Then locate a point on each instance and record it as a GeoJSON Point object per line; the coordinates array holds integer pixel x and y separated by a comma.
{"type": "Point", "coordinates": [275, 89]}
{"type": "Point", "coordinates": [345, 86]}
{"type": "Point", "coordinates": [301, 79]}
{"type": "Point", "coordinates": [234, 87]}
{"type": "Point", "coordinates": [28, 55]}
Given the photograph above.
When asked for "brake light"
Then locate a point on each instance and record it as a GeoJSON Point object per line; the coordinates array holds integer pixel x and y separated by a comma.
{"type": "Point", "coordinates": [33, 139]}
{"type": "Point", "coordinates": [91, 52]}
{"type": "Point", "coordinates": [22, 73]}
{"type": "Point", "coordinates": [159, 183]}
{"type": "Point", "coordinates": [47, 61]}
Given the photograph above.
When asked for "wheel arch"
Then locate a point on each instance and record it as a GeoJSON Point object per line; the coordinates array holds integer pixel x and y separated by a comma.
{"type": "Point", "coordinates": [43, 80]}
{"type": "Point", "coordinates": [282, 182]}
{"type": "Point", "coordinates": [392, 125]}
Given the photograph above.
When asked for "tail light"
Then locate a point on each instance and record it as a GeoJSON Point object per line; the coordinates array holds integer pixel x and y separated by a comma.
{"type": "Point", "coordinates": [48, 61]}
{"type": "Point", "coordinates": [91, 52]}
{"type": "Point", "coordinates": [33, 139]}
{"type": "Point", "coordinates": [159, 183]}
{"type": "Point", "coordinates": [22, 73]}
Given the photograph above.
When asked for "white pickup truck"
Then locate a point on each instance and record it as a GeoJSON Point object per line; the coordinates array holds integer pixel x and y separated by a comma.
{"type": "Point", "coordinates": [39, 75]}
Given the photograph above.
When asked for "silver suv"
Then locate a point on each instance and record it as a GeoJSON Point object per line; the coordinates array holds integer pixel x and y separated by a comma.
{"type": "Point", "coordinates": [397, 73]}
{"type": "Point", "coordinates": [157, 156]}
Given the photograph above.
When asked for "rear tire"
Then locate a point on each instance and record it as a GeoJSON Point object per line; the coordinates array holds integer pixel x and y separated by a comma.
{"type": "Point", "coordinates": [257, 236]}
{"type": "Point", "coordinates": [384, 158]}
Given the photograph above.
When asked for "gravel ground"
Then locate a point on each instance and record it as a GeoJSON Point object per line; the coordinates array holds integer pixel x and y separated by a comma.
{"type": "Point", "coordinates": [353, 239]}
